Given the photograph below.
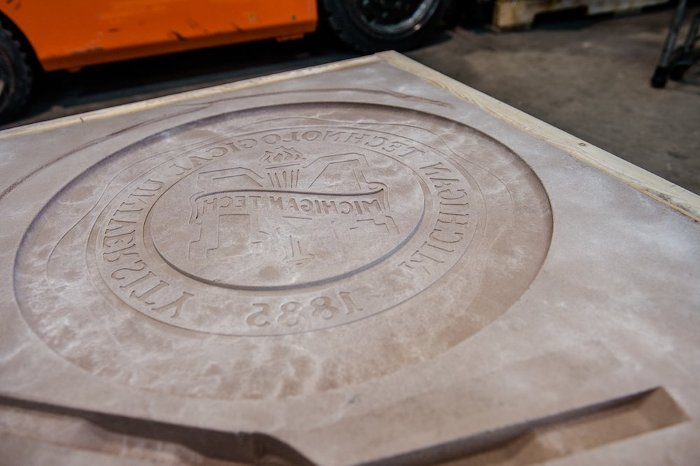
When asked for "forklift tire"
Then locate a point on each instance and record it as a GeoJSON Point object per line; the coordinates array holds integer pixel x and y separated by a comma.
{"type": "Point", "coordinates": [376, 25]}
{"type": "Point", "coordinates": [15, 76]}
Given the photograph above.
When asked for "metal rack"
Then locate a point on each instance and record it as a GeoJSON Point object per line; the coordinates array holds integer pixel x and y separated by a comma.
{"type": "Point", "coordinates": [675, 61]}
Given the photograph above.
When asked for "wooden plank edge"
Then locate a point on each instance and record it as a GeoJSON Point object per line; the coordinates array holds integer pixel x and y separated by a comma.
{"type": "Point", "coordinates": [183, 96]}
{"type": "Point", "coordinates": [640, 179]}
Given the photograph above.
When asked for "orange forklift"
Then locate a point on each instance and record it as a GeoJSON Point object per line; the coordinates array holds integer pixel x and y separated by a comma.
{"type": "Point", "coordinates": [48, 35]}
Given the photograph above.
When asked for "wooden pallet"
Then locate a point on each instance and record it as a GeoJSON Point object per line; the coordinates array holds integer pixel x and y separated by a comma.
{"type": "Point", "coordinates": [512, 14]}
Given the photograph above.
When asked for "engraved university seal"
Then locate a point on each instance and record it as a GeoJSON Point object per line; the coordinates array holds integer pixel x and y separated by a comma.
{"type": "Point", "coordinates": [219, 237]}
{"type": "Point", "coordinates": [281, 251]}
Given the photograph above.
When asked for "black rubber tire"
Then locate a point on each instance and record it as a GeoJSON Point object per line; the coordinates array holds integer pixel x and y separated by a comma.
{"type": "Point", "coordinates": [16, 76]}
{"type": "Point", "coordinates": [352, 26]}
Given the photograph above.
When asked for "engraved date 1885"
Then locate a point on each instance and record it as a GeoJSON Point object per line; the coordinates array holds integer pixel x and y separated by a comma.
{"type": "Point", "coordinates": [294, 313]}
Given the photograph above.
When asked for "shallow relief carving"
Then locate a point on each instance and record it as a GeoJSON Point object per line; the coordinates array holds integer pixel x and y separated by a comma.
{"type": "Point", "coordinates": [247, 255]}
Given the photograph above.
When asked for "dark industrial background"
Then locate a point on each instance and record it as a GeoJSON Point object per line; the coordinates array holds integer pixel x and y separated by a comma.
{"type": "Point", "coordinates": [588, 75]}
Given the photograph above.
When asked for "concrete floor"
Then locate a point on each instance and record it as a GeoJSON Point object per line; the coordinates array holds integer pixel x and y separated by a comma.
{"type": "Point", "coordinates": [587, 76]}
{"type": "Point", "coordinates": [591, 79]}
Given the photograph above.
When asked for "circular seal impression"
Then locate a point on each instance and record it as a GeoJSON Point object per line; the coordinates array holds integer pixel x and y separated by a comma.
{"type": "Point", "coordinates": [277, 224]}
{"type": "Point", "coordinates": [217, 238]}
